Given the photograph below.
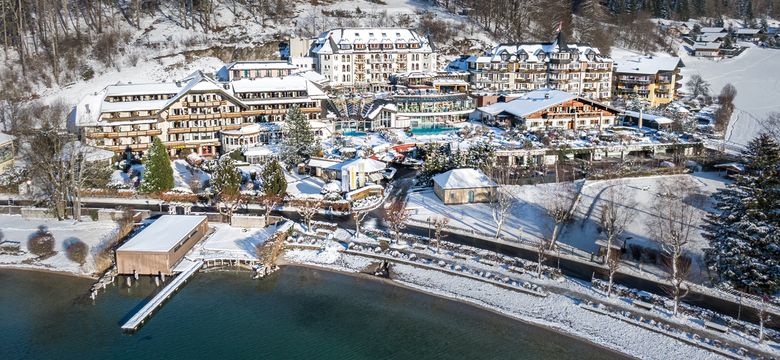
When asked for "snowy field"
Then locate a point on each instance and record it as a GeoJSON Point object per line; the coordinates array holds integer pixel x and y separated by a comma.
{"type": "Point", "coordinates": [529, 222]}
{"type": "Point", "coordinates": [92, 233]}
{"type": "Point", "coordinates": [755, 75]}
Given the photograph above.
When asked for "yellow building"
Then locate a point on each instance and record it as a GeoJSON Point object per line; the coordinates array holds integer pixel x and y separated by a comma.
{"type": "Point", "coordinates": [6, 152]}
{"type": "Point", "coordinates": [651, 78]}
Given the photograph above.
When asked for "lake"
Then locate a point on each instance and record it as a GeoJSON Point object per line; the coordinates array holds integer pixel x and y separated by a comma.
{"type": "Point", "coordinates": [297, 313]}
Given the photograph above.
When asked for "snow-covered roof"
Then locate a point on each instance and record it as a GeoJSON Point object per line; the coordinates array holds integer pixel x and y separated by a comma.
{"type": "Point", "coordinates": [706, 46]}
{"type": "Point", "coordinates": [660, 120]}
{"type": "Point", "coordinates": [4, 138]}
{"type": "Point", "coordinates": [314, 77]}
{"type": "Point", "coordinates": [261, 65]}
{"type": "Point", "coordinates": [538, 53]}
{"type": "Point", "coordinates": [246, 130]}
{"type": "Point", "coordinates": [649, 65]}
{"type": "Point", "coordinates": [143, 89]}
{"type": "Point", "coordinates": [287, 83]}
{"type": "Point", "coordinates": [362, 165]}
{"type": "Point", "coordinates": [710, 37]}
{"type": "Point", "coordinates": [529, 103]}
{"type": "Point", "coordinates": [163, 234]}
{"type": "Point", "coordinates": [328, 42]}
{"type": "Point", "coordinates": [264, 150]}
{"type": "Point", "coordinates": [748, 31]}
{"type": "Point", "coordinates": [322, 163]}
{"type": "Point", "coordinates": [712, 30]}
{"type": "Point", "coordinates": [466, 178]}
{"type": "Point", "coordinates": [132, 105]}
{"type": "Point", "coordinates": [89, 153]}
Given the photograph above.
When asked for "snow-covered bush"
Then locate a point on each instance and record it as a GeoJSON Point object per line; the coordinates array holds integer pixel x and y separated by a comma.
{"type": "Point", "coordinates": [41, 243]}
{"type": "Point", "coordinates": [76, 250]}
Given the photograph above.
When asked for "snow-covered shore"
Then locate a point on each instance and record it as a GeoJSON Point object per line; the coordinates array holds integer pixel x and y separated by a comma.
{"type": "Point", "coordinates": [558, 312]}
{"type": "Point", "coordinates": [94, 234]}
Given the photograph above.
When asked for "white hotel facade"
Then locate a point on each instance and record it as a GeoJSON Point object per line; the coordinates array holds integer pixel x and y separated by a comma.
{"type": "Point", "coordinates": [364, 58]}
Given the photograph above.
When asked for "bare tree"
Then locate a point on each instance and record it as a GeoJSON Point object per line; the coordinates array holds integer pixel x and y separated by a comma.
{"type": "Point", "coordinates": [771, 124]}
{"type": "Point", "coordinates": [675, 213]}
{"type": "Point", "coordinates": [269, 202]}
{"type": "Point", "coordinates": [439, 224]}
{"type": "Point", "coordinates": [726, 102]}
{"type": "Point", "coordinates": [86, 168]}
{"type": "Point", "coordinates": [697, 86]}
{"type": "Point", "coordinates": [763, 318]}
{"type": "Point", "coordinates": [309, 207]}
{"type": "Point", "coordinates": [617, 212]}
{"type": "Point", "coordinates": [358, 216]}
{"type": "Point", "coordinates": [501, 203]}
{"type": "Point", "coordinates": [396, 216]}
{"type": "Point", "coordinates": [560, 207]}
{"type": "Point", "coordinates": [542, 246]}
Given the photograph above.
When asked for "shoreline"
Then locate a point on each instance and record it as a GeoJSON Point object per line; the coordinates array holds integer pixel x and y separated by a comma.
{"type": "Point", "coordinates": [18, 267]}
{"type": "Point", "coordinates": [473, 304]}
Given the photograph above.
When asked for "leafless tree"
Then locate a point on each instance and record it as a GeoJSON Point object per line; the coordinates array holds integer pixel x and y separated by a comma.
{"type": "Point", "coordinates": [439, 224]}
{"type": "Point", "coordinates": [397, 215]}
{"type": "Point", "coordinates": [675, 213]}
{"type": "Point", "coordinates": [542, 246]}
{"type": "Point", "coordinates": [697, 86]}
{"type": "Point", "coordinates": [269, 202]}
{"type": "Point", "coordinates": [86, 168]}
{"type": "Point", "coordinates": [501, 203]}
{"type": "Point", "coordinates": [763, 318]}
{"type": "Point", "coordinates": [617, 213]}
{"type": "Point", "coordinates": [771, 124]}
{"type": "Point", "coordinates": [358, 216]}
{"type": "Point", "coordinates": [559, 204]}
{"type": "Point", "coordinates": [726, 102]}
{"type": "Point", "coordinates": [307, 208]}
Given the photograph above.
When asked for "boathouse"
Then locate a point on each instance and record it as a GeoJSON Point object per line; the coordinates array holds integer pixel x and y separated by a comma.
{"type": "Point", "coordinates": [158, 248]}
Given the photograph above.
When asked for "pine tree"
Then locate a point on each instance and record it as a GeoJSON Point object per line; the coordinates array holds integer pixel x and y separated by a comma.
{"type": "Point", "coordinates": [299, 142]}
{"type": "Point", "coordinates": [743, 232]}
{"type": "Point", "coordinates": [226, 186]}
{"type": "Point", "coordinates": [274, 183]}
{"type": "Point", "coordinates": [158, 173]}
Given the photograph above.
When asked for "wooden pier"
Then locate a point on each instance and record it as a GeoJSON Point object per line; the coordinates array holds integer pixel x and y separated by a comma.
{"type": "Point", "coordinates": [146, 311]}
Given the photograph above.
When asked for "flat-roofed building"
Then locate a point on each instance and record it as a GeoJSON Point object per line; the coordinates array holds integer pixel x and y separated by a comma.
{"type": "Point", "coordinates": [160, 246]}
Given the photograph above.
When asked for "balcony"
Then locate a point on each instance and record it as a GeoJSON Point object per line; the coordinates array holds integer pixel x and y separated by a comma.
{"type": "Point", "coordinates": [204, 103]}
{"type": "Point", "coordinates": [121, 134]}
{"type": "Point", "coordinates": [130, 118]}
{"type": "Point", "coordinates": [634, 80]}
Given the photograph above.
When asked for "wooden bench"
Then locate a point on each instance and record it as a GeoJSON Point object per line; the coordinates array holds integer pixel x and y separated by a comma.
{"type": "Point", "coordinates": [643, 305]}
{"type": "Point", "coordinates": [715, 326]}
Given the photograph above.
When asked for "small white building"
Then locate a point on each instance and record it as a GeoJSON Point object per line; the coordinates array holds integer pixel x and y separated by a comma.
{"type": "Point", "coordinates": [711, 49]}
{"type": "Point", "coordinates": [353, 174]}
{"type": "Point", "coordinates": [464, 186]}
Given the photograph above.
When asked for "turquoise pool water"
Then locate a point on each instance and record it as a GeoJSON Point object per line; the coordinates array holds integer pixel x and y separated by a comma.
{"type": "Point", "coordinates": [355, 133]}
{"type": "Point", "coordinates": [432, 130]}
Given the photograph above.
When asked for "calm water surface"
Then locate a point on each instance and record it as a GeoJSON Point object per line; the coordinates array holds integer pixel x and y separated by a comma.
{"type": "Point", "coordinates": [295, 314]}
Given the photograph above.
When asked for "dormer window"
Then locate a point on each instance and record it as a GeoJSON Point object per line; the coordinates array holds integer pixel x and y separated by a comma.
{"type": "Point", "coordinates": [370, 34]}
{"type": "Point", "coordinates": [384, 34]}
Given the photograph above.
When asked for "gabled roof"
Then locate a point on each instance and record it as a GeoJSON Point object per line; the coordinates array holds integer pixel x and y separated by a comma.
{"type": "Point", "coordinates": [143, 89]}
{"type": "Point", "coordinates": [712, 30]}
{"type": "Point", "coordinates": [706, 46]}
{"type": "Point", "coordinates": [466, 178]}
{"type": "Point", "coordinates": [327, 42]}
{"type": "Point", "coordinates": [198, 82]}
{"type": "Point", "coordinates": [748, 31]}
{"type": "Point", "coordinates": [529, 103]}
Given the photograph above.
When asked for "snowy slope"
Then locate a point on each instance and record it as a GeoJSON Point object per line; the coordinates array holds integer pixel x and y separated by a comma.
{"type": "Point", "coordinates": [755, 75]}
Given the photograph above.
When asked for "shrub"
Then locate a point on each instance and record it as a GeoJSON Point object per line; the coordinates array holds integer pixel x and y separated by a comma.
{"type": "Point", "coordinates": [41, 243]}
{"type": "Point", "coordinates": [93, 214]}
{"type": "Point", "coordinates": [76, 250]}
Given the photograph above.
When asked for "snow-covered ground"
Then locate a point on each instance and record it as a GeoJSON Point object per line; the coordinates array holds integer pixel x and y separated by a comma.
{"type": "Point", "coordinates": [529, 222]}
{"type": "Point", "coordinates": [234, 243]}
{"type": "Point", "coordinates": [754, 74]}
{"type": "Point", "coordinates": [93, 233]}
{"type": "Point", "coordinates": [303, 186]}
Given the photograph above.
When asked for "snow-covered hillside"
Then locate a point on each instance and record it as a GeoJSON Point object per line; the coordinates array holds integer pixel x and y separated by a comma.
{"type": "Point", "coordinates": [755, 75]}
{"type": "Point", "coordinates": [162, 50]}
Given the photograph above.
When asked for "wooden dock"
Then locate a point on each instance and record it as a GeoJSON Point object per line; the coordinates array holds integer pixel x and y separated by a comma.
{"type": "Point", "coordinates": [146, 311]}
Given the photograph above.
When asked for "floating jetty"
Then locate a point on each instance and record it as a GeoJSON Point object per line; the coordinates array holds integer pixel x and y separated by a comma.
{"type": "Point", "coordinates": [147, 310]}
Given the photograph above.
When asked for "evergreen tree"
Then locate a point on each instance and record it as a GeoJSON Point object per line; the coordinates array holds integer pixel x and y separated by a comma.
{"type": "Point", "coordinates": [436, 160]}
{"type": "Point", "coordinates": [158, 173]}
{"type": "Point", "coordinates": [299, 142]}
{"type": "Point", "coordinates": [226, 186]}
{"type": "Point", "coordinates": [274, 183]}
{"type": "Point", "coordinates": [743, 231]}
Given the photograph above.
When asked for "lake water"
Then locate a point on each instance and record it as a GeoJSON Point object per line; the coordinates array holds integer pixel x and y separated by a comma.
{"type": "Point", "coordinates": [296, 313]}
